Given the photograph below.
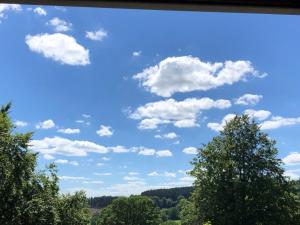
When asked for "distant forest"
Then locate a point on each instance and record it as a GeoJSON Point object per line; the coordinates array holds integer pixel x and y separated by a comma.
{"type": "Point", "coordinates": [163, 198]}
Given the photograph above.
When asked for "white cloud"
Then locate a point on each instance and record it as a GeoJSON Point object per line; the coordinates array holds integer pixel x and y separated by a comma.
{"type": "Point", "coordinates": [8, 7]}
{"type": "Point", "coordinates": [61, 161]}
{"type": "Point", "coordinates": [258, 114]}
{"type": "Point", "coordinates": [151, 152]}
{"type": "Point", "coordinates": [48, 157]}
{"type": "Point", "coordinates": [187, 73]}
{"type": "Point", "coordinates": [87, 116]}
{"type": "Point", "coordinates": [171, 135]}
{"type": "Point", "coordinates": [248, 99]}
{"type": "Point", "coordinates": [292, 159]}
{"type": "Point", "coordinates": [93, 182]}
{"type": "Point", "coordinates": [153, 174]}
{"type": "Point", "coordinates": [20, 123]}
{"type": "Point", "coordinates": [168, 174]}
{"type": "Point", "coordinates": [133, 173]}
{"type": "Point", "coordinates": [105, 158]}
{"type": "Point", "coordinates": [100, 164]}
{"type": "Point", "coordinates": [60, 25]}
{"type": "Point", "coordinates": [119, 149]}
{"type": "Point", "coordinates": [164, 174]}
{"type": "Point", "coordinates": [72, 178]}
{"type": "Point", "coordinates": [65, 161]}
{"type": "Point", "coordinates": [59, 47]}
{"type": "Point", "coordinates": [184, 172]}
{"type": "Point", "coordinates": [147, 151]}
{"type": "Point", "coordinates": [188, 179]}
{"type": "Point", "coordinates": [98, 35]}
{"type": "Point", "coordinates": [190, 150]}
{"type": "Point", "coordinates": [104, 131]}
{"type": "Point", "coordinates": [74, 163]}
{"type": "Point", "coordinates": [278, 121]}
{"type": "Point", "coordinates": [179, 113]}
{"type": "Point", "coordinates": [136, 53]}
{"type": "Point", "coordinates": [293, 174]}
{"type": "Point", "coordinates": [67, 147]}
{"type": "Point", "coordinates": [40, 11]}
{"type": "Point", "coordinates": [131, 178]}
{"type": "Point", "coordinates": [220, 126]}
{"type": "Point", "coordinates": [102, 174]}
{"type": "Point", "coordinates": [47, 124]}
{"type": "Point", "coordinates": [164, 153]}
{"type": "Point", "coordinates": [69, 131]}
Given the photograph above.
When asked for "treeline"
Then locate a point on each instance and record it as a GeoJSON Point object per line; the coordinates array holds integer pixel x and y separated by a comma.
{"type": "Point", "coordinates": [163, 198]}
{"type": "Point", "coordinates": [169, 193]}
{"type": "Point", "coordinates": [100, 202]}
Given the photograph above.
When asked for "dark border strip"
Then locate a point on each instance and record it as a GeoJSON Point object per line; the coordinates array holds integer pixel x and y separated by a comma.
{"type": "Point", "coordinates": [243, 6]}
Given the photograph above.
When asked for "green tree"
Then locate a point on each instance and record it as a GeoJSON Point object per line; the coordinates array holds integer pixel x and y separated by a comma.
{"type": "Point", "coordinates": [134, 210]}
{"type": "Point", "coordinates": [240, 180]}
{"type": "Point", "coordinates": [187, 212]}
{"type": "Point", "coordinates": [73, 209]}
{"type": "Point", "coordinates": [27, 196]}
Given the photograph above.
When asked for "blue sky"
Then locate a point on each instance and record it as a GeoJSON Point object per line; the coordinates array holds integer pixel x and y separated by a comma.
{"type": "Point", "coordinates": [120, 99]}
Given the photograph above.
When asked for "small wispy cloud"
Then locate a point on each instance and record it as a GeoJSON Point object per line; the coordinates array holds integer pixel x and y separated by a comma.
{"type": "Point", "coordinates": [97, 35]}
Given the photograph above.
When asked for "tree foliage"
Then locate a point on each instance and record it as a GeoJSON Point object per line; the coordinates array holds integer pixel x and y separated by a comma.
{"type": "Point", "coordinates": [133, 210]}
{"type": "Point", "coordinates": [240, 180]}
{"type": "Point", "coordinates": [27, 196]}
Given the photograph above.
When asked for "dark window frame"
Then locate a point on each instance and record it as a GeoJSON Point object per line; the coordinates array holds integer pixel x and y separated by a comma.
{"type": "Point", "coordinates": [240, 6]}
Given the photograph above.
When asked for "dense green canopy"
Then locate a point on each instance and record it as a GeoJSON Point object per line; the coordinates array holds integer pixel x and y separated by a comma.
{"type": "Point", "coordinates": [240, 179]}
{"type": "Point", "coordinates": [27, 196]}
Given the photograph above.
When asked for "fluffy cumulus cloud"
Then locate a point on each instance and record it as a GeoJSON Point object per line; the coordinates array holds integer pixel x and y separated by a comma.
{"type": "Point", "coordinates": [179, 113]}
{"type": "Point", "coordinates": [47, 124]}
{"type": "Point", "coordinates": [60, 25]}
{"type": "Point", "coordinates": [69, 131]}
{"type": "Point", "coordinates": [97, 35]}
{"type": "Point", "coordinates": [292, 159]}
{"type": "Point", "coordinates": [219, 126]}
{"type": "Point", "coordinates": [67, 147]}
{"type": "Point", "coordinates": [278, 121]}
{"type": "Point", "coordinates": [164, 153]}
{"type": "Point", "coordinates": [49, 147]}
{"type": "Point", "coordinates": [171, 135]}
{"type": "Point", "coordinates": [8, 7]}
{"type": "Point", "coordinates": [40, 11]}
{"type": "Point", "coordinates": [152, 152]}
{"type": "Point", "coordinates": [248, 99]}
{"type": "Point", "coordinates": [258, 114]}
{"type": "Point", "coordinates": [105, 131]}
{"type": "Point", "coordinates": [187, 73]}
{"type": "Point", "coordinates": [20, 123]}
{"type": "Point", "coordinates": [59, 47]}
{"type": "Point", "coordinates": [65, 161]}
{"type": "Point", "coordinates": [190, 150]}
